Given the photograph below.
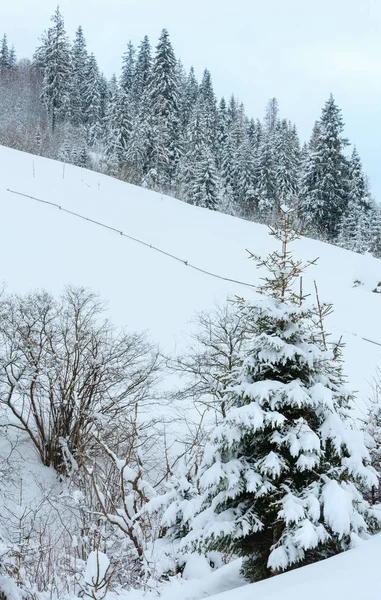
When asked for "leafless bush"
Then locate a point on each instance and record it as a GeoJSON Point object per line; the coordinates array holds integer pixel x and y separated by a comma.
{"type": "Point", "coordinates": [65, 372]}
{"type": "Point", "coordinates": [213, 353]}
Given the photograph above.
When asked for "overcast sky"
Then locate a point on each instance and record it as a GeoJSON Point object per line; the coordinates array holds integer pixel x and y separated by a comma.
{"type": "Point", "coordinates": [296, 50]}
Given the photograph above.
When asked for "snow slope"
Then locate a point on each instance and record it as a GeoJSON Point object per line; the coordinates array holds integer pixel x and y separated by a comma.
{"type": "Point", "coordinates": [43, 247]}
{"type": "Point", "coordinates": [349, 576]}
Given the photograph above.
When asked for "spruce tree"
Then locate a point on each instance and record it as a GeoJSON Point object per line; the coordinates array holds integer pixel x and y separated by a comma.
{"type": "Point", "coordinates": [143, 69]}
{"type": "Point", "coordinates": [79, 65]}
{"type": "Point", "coordinates": [355, 227]}
{"type": "Point", "coordinates": [246, 182]}
{"type": "Point", "coordinates": [189, 98]}
{"type": "Point", "coordinates": [265, 191]}
{"type": "Point", "coordinates": [54, 59]}
{"type": "Point", "coordinates": [118, 130]}
{"type": "Point", "coordinates": [208, 101]}
{"type": "Point", "coordinates": [375, 230]}
{"type": "Point", "coordinates": [4, 56]}
{"type": "Point", "coordinates": [221, 131]}
{"type": "Point", "coordinates": [164, 113]}
{"type": "Point", "coordinates": [324, 191]}
{"type": "Point", "coordinates": [193, 147]}
{"type": "Point", "coordinates": [128, 69]}
{"type": "Point", "coordinates": [205, 186]}
{"type": "Point", "coordinates": [92, 100]}
{"type": "Point", "coordinates": [280, 479]}
{"type": "Point", "coordinates": [177, 504]}
{"type": "Point", "coordinates": [286, 163]}
{"type": "Point", "coordinates": [12, 59]}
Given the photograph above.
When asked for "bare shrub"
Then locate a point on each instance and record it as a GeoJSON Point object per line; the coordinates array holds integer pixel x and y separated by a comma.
{"type": "Point", "coordinates": [65, 372]}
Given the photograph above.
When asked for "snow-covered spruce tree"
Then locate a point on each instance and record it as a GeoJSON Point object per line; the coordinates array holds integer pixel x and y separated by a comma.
{"type": "Point", "coordinates": [208, 102]}
{"type": "Point", "coordinates": [286, 167]}
{"type": "Point", "coordinates": [79, 64]}
{"type": "Point", "coordinates": [53, 58]}
{"type": "Point", "coordinates": [118, 128]}
{"type": "Point", "coordinates": [4, 56]}
{"type": "Point", "coordinates": [142, 73]}
{"type": "Point", "coordinates": [164, 113]}
{"type": "Point", "coordinates": [281, 476]}
{"type": "Point", "coordinates": [205, 187]}
{"type": "Point", "coordinates": [92, 100]}
{"type": "Point", "coordinates": [375, 230]}
{"type": "Point", "coordinates": [128, 68]}
{"type": "Point", "coordinates": [355, 226]}
{"type": "Point", "coordinates": [246, 182]}
{"type": "Point", "coordinates": [324, 188]}
{"type": "Point", "coordinates": [176, 505]}
{"type": "Point", "coordinates": [373, 437]}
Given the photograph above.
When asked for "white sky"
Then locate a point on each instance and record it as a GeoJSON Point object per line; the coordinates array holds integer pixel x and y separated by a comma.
{"type": "Point", "coordinates": [296, 50]}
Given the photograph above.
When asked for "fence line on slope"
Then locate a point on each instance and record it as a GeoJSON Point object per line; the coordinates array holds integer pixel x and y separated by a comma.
{"type": "Point", "coordinates": [134, 239]}
{"type": "Point", "coordinates": [152, 247]}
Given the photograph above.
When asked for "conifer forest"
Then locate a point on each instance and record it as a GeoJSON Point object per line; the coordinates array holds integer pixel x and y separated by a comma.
{"type": "Point", "coordinates": [155, 125]}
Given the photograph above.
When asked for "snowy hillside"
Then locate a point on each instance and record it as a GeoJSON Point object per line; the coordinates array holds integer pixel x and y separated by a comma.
{"type": "Point", "coordinates": [43, 247]}
{"type": "Point", "coordinates": [351, 575]}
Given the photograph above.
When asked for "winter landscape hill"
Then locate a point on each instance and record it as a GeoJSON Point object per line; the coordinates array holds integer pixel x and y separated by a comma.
{"type": "Point", "coordinates": [146, 290]}
{"type": "Point", "coordinates": [43, 247]}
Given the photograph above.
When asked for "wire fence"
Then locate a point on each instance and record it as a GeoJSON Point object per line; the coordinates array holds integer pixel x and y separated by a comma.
{"type": "Point", "coordinates": [160, 250]}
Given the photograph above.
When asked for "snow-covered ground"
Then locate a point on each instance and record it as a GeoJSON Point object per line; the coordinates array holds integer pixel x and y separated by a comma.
{"type": "Point", "coordinates": [349, 576]}
{"type": "Point", "coordinates": [41, 246]}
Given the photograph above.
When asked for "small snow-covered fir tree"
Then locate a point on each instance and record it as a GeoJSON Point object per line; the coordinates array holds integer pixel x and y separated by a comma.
{"type": "Point", "coordinates": [176, 505]}
{"type": "Point", "coordinates": [281, 476]}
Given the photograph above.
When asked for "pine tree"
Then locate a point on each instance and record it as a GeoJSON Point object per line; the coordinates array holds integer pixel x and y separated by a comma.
{"type": "Point", "coordinates": [280, 479]}
{"type": "Point", "coordinates": [54, 59]}
{"type": "Point", "coordinates": [324, 193]}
